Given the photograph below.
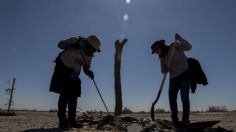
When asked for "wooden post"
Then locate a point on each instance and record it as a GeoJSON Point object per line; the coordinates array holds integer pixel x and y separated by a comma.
{"type": "Point", "coordinates": [118, 92]}
{"type": "Point", "coordinates": [11, 94]}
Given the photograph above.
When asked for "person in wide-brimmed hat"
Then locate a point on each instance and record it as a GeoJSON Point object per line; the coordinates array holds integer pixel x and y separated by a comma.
{"type": "Point", "coordinates": [179, 73]}
{"type": "Point", "coordinates": [77, 54]}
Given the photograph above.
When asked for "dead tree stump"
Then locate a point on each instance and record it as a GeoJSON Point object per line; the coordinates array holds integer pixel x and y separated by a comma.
{"type": "Point", "coordinates": [118, 92]}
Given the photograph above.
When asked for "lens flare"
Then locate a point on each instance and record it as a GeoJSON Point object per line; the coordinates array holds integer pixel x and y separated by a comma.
{"type": "Point", "coordinates": [125, 17]}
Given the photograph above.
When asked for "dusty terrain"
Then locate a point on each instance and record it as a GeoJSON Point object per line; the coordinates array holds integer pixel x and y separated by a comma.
{"type": "Point", "coordinates": [47, 121]}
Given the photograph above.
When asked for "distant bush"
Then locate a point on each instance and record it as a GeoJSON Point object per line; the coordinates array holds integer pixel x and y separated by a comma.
{"type": "Point", "coordinates": [100, 111]}
{"type": "Point", "coordinates": [53, 110]}
{"type": "Point", "coordinates": [160, 110]}
{"type": "Point", "coordinates": [141, 112]}
{"type": "Point", "coordinates": [127, 111]}
{"type": "Point", "coordinates": [25, 110]}
{"type": "Point", "coordinates": [196, 111]}
{"type": "Point", "coordinates": [92, 111]}
{"type": "Point", "coordinates": [217, 109]}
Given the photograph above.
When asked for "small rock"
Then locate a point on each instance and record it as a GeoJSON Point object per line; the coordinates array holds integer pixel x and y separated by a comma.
{"type": "Point", "coordinates": [134, 128]}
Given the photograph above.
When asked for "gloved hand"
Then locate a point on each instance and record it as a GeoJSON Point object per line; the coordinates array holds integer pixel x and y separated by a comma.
{"type": "Point", "coordinates": [90, 74]}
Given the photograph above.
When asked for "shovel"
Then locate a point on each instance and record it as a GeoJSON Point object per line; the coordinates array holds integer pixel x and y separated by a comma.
{"type": "Point", "coordinates": [162, 83]}
{"type": "Point", "coordinates": [100, 95]}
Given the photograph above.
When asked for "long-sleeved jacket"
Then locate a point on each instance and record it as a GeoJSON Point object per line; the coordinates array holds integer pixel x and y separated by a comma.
{"type": "Point", "coordinates": [65, 79]}
{"type": "Point", "coordinates": [74, 57]}
{"type": "Point", "coordinates": [179, 63]}
{"type": "Point", "coordinates": [197, 74]}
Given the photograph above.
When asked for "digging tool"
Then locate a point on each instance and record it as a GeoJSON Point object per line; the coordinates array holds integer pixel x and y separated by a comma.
{"type": "Point", "coordinates": [100, 95]}
{"type": "Point", "coordinates": [162, 83]}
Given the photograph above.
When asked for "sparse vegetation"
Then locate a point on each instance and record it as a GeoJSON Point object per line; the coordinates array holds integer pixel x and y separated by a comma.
{"type": "Point", "coordinates": [217, 109]}
{"type": "Point", "coordinates": [127, 111]}
{"type": "Point", "coordinates": [9, 92]}
{"type": "Point", "coordinates": [197, 111]}
{"type": "Point", "coordinates": [141, 112]}
{"type": "Point", "coordinates": [160, 110]}
{"type": "Point", "coordinates": [53, 110]}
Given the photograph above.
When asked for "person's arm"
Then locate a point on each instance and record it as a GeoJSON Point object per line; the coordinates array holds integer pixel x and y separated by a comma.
{"type": "Point", "coordinates": [164, 67]}
{"type": "Point", "coordinates": [181, 43]}
{"type": "Point", "coordinates": [86, 68]}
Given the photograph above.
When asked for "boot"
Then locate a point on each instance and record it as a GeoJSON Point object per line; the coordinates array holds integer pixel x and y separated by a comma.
{"type": "Point", "coordinates": [63, 123]}
{"type": "Point", "coordinates": [176, 123]}
{"type": "Point", "coordinates": [186, 123]}
{"type": "Point", "coordinates": [74, 124]}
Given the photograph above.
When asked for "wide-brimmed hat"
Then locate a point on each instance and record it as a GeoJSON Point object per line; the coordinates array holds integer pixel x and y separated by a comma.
{"type": "Point", "coordinates": [157, 45]}
{"type": "Point", "coordinates": [94, 41]}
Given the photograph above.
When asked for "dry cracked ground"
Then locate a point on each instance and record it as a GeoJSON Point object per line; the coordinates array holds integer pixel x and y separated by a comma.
{"type": "Point", "coordinates": [26, 121]}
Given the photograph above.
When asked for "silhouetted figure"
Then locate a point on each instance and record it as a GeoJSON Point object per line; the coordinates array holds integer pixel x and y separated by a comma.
{"type": "Point", "coordinates": [179, 74]}
{"type": "Point", "coordinates": [77, 53]}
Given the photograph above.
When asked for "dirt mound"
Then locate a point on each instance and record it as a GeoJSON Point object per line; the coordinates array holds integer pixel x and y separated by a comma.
{"type": "Point", "coordinates": [111, 123]}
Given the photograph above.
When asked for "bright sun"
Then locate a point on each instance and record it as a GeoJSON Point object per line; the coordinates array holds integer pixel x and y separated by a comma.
{"type": "Point", "coordinates": [128, 1]}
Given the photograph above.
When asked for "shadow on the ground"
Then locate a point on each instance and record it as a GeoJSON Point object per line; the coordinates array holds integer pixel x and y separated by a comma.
{"type": "Point", "coordinates": [45, 130]}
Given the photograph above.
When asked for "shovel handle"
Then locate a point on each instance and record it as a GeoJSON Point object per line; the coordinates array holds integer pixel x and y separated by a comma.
{"type": "Point", "coordinates": [172, 50]}
{"type": "Point", "coordinates": [100, 95]}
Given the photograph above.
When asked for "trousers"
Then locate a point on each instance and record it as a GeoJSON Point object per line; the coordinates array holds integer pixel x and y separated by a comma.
{"type": "Point", "coordinates": [180, 83]}
{"type": "Point", "coordinates": [64, 101]}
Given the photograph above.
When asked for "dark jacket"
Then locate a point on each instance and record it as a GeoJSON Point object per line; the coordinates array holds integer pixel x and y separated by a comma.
{"type": "Point", "coordinates": [197, 74]}
{"type": "Point", "coordinates": [64, 80]}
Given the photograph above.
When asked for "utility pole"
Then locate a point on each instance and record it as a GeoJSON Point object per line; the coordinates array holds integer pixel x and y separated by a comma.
{"type": "Point", "coordinates": [11, 94]}
{"type": "Point", "coordinates": [118, 92]}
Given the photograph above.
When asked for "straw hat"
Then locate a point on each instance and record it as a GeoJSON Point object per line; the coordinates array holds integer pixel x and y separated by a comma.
{"type": "Point", "coordinates": [94, 41]}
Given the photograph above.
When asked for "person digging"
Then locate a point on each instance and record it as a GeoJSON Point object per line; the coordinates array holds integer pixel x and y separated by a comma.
{"type": "Point", "coordinates": [179, 74]}
{"type": "Point", "coordinates": [77, 53]}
